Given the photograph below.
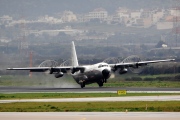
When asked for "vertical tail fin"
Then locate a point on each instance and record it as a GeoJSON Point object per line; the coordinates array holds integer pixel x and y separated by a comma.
{"type": "Point", "coordinates": [74, 56]}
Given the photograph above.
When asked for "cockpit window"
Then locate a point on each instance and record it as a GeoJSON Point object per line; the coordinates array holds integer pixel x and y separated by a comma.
{"type": "Point", "coordinates": [102, 66]}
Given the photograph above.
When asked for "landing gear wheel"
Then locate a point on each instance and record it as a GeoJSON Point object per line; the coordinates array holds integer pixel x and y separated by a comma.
{"type": "Point", "coordinates": [100, 83]}
{"type": "Point", "coordinates": [82, 85]}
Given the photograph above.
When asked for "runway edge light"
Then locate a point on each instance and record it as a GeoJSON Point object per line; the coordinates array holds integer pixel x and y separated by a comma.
{"type": "Point", "coordinates": [121, 92]}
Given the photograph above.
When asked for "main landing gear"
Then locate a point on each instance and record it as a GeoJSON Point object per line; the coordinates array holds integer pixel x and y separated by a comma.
{"type": "Point", "coordinates": [82, 84]}
{"type": "Point", "coordinates": [101, 82]}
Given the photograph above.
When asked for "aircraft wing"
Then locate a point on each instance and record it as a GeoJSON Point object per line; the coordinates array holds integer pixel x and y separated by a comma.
{"type": "Point", "coordinates": [136, 64]}
{"type": "Point", "coordinates": [63, 69]}
{"type": "Point", "coordinates": [43, 69]}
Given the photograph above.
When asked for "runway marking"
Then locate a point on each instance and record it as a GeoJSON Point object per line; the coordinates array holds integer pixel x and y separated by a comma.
{"type": "Point", "coordinates": [90, 115]}
{"type": "Point", "coordinates": [101, 99]}
{"type": "Point", "coordinates": [86, 90]}
{"type": "Point", "coordinates": [97, 92]}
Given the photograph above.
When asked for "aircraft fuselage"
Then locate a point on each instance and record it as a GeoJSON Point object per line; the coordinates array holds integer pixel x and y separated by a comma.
{"type": "Point", "coordinates": [97, 73]}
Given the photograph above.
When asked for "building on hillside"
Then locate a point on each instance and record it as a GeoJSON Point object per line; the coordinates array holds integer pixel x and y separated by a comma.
{"type": "Point", "coordinates": [82, 18]}
{"type": "Point", "coordinates": [49, 19]}
{"type": "Point", "coordinates": [98, 13]}
{"type": "Point", "coordinates": [143, 22]}
{"type": "Point", "coordinates": [4, 40]}
{"type": "Point", "coordinates": [157, 15]}
{"type": "Point", "coordinates": [6, 19]}
{"type": "Point", "coordinates": [69, 16]}
{"type": "Point", "coordinates": [123, 13]}
{"type": "Point", "coordinates": [175, 11]}
{"type": "Point", "coordinates": [135, 14]}
{"type": "Point", "coordinates": [145, 14]}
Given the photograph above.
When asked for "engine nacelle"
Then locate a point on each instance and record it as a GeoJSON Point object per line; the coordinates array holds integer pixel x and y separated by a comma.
{"type": "Point", "coordinates": [74, 70]}
{"type": "Point", "coordinates": [50, 71]}
{"type": "Point", "coordinates": [123, 71]}
{"type": "Point", "coordinates": [136, 66]}
{"type": "Point", "coordinates": [58, 75]}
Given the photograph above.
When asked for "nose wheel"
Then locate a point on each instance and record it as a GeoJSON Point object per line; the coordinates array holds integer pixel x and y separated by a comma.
{"type": "Point", "coordinates": [82, 84]}
{"type": "Point", "coordinates": [105, 81]}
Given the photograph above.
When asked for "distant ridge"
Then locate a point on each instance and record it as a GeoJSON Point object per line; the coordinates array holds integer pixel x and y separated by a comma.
{"type": "Point", "coordinates": [48, 7]}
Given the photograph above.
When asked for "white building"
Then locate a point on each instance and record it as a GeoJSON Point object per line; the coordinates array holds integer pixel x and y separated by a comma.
{"type": "Point", "coordinates": [48, 19]}
{"type": "Point", "coordinates": [135, 14]}
{"type": "Point", "coordinates": [98, 13]}
{"type": "Point", "coordinates": [122, 13]}
{"type": "Point", "coordinates": [4, 40]}
{"type": "Point", "coordinates": [69, 16]}
{"type": "Point", "coordinates": [175, 11]}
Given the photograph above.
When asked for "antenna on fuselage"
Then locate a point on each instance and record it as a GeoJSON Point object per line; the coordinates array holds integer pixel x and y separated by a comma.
{"type": "Point", "coordinates": [74, 56]}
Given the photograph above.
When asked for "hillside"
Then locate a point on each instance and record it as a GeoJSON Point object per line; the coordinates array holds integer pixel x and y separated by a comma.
{"type": "Point", "coordinates": [36, 8]}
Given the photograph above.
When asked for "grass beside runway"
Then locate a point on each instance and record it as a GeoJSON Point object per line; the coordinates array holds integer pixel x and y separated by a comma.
{"type": "Point", "coordinates": [134, 106]}
{"type": "Point", "coordinates": [158, 84]}
{"type": "Point", "coordinates": [7, 96]}
{"type": "Point", "coordinates": [137, 106]}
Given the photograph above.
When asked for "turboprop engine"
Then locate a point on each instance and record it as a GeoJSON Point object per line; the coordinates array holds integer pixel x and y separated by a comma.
{"type": "Point", "coordinates": [58, 75]}
{"type": "Point", "coordinates": [123, 71]}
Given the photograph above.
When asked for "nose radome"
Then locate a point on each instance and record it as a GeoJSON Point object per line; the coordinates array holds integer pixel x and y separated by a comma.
{"type": "Point", "coordinates": [106, 73]}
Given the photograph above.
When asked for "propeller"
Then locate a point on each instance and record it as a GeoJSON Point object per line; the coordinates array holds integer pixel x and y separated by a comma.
{"type": "Point", "coordinates": [136, 68]}
{"type": "Point", "coordinates": [49, 63]}
{"type": "Point", "coordinates": [112, 60]}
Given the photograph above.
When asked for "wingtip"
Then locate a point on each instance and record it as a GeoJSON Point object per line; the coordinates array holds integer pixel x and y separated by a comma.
{"type": "Point", "coordinates": [172, 59]}
{"type": "Point", "coordinates": [8, 68]}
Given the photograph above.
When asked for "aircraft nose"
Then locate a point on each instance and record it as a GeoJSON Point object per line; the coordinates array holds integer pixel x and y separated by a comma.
{"type": "Point", "coordinates": [106, 73]}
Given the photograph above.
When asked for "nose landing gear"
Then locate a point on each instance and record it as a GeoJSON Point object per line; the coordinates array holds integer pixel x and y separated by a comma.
{"type": "Point", "coordinates": [82, 84]}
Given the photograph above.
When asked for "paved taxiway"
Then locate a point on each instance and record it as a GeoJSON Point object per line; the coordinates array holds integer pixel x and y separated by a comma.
{"type": "Point", "coordinates": [90, 115]}
{"type": "Point", "coordinates": [100, 99]}
{"type": "Point", "coordinates": [86, 89]}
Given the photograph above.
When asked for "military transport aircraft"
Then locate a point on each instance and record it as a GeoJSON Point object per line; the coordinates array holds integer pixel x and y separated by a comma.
{"type": "Point", "coordinates": [87, 74]}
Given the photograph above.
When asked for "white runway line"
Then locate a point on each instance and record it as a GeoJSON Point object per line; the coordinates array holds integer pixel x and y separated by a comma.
{"type": "Point", "coordinates": [99, 99]}
{"type": "Point", "coordinates": [90, 115]}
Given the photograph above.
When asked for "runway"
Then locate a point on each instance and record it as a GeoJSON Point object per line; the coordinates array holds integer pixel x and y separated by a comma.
{"type": "Point", "coordinates": [100, 99]}
{"type": "Point", "coordinates": [90, 115]}
{"type": "Point", "coordinates": [87, 89]}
